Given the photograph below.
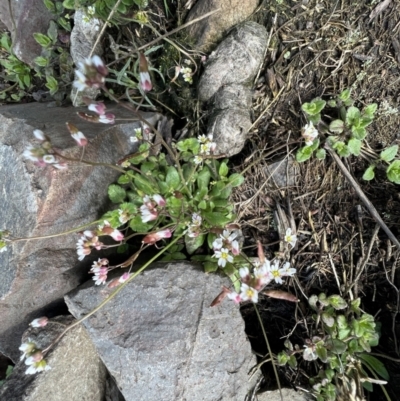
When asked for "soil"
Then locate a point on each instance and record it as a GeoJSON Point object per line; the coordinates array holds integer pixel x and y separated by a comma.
{"type": "Point", "coordinates": [316, 49]}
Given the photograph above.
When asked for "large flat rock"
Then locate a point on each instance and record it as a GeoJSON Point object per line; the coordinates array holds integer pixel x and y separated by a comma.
{"type": "Point", "coordinates": [160, 338]}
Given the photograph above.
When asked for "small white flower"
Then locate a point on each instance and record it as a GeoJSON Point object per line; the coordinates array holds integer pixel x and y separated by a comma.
{"type": "Point", "coordinates": [290, 238]}
{"type": "Point", "coordinates": [248, 293]}
{"type": "Point", "coordinates": [39, 134]}
{"type": "Point", "coordinates": [244, 272]}
{"type": "Point", "coordinates": [287, 270]}
{"type": "Point", "coordinates": [197, 160]}
{"type": "Point", "coordinates": [309, 133]}
{"type": "Point", "coordinates": [223, 257]}
{"type": "Point", "coordinates": [37, 367]}
{"type": "Point", "coordinates": [277, 273]}
{"type": "Point", "coordinates": [27, 348]}
{"type": "Point", "coordinates": [49, 159]}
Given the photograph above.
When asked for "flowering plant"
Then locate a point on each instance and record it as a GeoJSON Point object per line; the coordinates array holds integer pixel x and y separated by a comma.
{"type": "Point", "coordinates": [181, 196]}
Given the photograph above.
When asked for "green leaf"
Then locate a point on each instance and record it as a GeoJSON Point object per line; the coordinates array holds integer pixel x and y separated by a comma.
{"type": "Point", "coordinates": [345, 95]}
{"type": "Point", "coordinates": [336, 126]}
{"type": "Point", "coordinates": [312, 301]}
{"type": "Point", "coordinates": [369, 173]}
{"type": "Point", "coordinates": [210, 267]}
{"type": "Point", "coordinates": [304, 153]}
{"type": "Point", "coordinates": [315, 119]}
{"type": "Point", "coordinates": [43, 40]}
{"type": "Point", "coordinates": [375, 364]}
{"type": "Point", "coordinates": [365, 121]}
{"type": "Point", "coordinates": [321, 351]}
{"type": "Point", "coordinates": [341, 149]}
{"type": "Point", "coordinates": [320, 154]}
{"type": "Point", "coordinates": [216, 219]}
{"type": "Point", "coordinates": [70, 4]}
{"type": "Point", "coordinates": [192, 244]}
{"type": "Point", "coordinates": [336, 346]}
{"type": "Point", "coordinates": [41, 61]}
{"type": "Point", "coordinates": [191, 144]}
{"type": "Point", "coordinates": [328, 319]}
{"type": "Point", "coordinates": [116, 193]}
{"type": "Point", "coordinates": [354, 146]}
{"type": "Point", "coordinates": [64, 24]}
{"type": "Point", "coordinates": [358, 132]}
{"type": "Point", "coordinates": [52, 32]}
{"type": "Point", "coordinates": [389, 154]}
{"type": "Point", "coordinates": [52, 84]}
{"type": "Point", "coordinates": [319, 104]}
{"type": "Point", "coordinates": [137, 225]}
{"type": "Point", "coordinates": [337, 302]}
{"type": "Point", "coordinates": [355, 305]}
{"type": "Point", "coordinates": [172, 179]}
{"type": "Point", "coordinates": [236, 180]}
{"type": "Point", "coordinates": [203, 178]}
{"type": "Point", "coordinates": [282, 358]}
{"type": "Point", "coordinates": [393, 172]}
{"type": "Point", "coordinates": [144, 185]}
{"type": "Point", "coordinates": [352, 116]}
{"type": "Point", "coordinates": [371, 109]}
{"type": "Point", "coordinates": [50, 5]}
{"type": "Point", "coordinates": [223, 169]}
{"type": "Point", "coordinates": [27, 80]}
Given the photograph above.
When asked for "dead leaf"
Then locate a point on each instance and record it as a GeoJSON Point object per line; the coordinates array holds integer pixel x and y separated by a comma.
{"type": "Point", "coordinates": [379, 9]}
{"type": "Point", "coordinates": [277, 294]}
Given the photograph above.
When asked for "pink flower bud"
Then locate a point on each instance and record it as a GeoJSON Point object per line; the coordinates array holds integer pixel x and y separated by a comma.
{"type": "Point", "coordinates": [145, 81]}
{"type": "Point", "coordinates": [98, 108]}
{"type": "Point", "coordinates": [154, 237]}
{"type": "Point", "coordinates": [39, 322]}
{"type": "Point", "coordinates": [77, 135]}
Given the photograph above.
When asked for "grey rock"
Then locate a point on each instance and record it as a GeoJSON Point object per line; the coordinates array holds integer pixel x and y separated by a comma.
{"type": "Point", "coordinates": [23, 18]}
{"type": "Point", "coordinates": [160, 338]}
{"type": "Point", "coordinates": [77, 373]}
{"type": "Point", "coordinates": [287, 393]}
{"type": "Point", "coordinates": [83, 37]}
{"type": "Point", "coordinates": [229, 128]}
{"type": "Point", "coordinates": [225, 85]}
{"type": "Point", "coordinates": [236, 60]}
{"type": "Point", "coordinates": [283, 173]}
{"type": "Point", "coordinates": [209, 31]}
{"type": "Point", "coordinates": [36, 202]}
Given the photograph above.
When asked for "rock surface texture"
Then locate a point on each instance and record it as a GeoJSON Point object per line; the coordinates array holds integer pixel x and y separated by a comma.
{"type": "Point", "coordinates": [83, 37]}
{"type": "Point", "coordinates": [226, 82]}
{"type": "Point", "coordinates": [209, 31]}
{"type": "Point", "coordinates": [77, 373]}
{"type": "Point", "coordinates": [40, 201]}
{"type": "Point", "coordinates": [23, 18]}
{"type": "Point", "coordinates": [160, 338]}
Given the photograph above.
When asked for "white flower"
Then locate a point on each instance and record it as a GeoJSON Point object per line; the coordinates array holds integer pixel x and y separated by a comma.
{"type": "Point", "coordinates": [37, 367]}
{"type": "Point", "coordinates": [263, 273]}
{"type": "Point", "coordinates": [244, 272]}
{"type": "Point", "coordinates": [290, 238]}
{"type": "Point", "coordinates": [223, 257]}
{"type": "Point", "coordinates": [27, 348]}
{"type": "Point", "coordinates": [248, 293]}
{"type": "Point", "coordinates": [197, 160]}
{"type": "Point", "coordinates": [49, 159]}
{"type": "Point", "coordinates": [39, 134]}
{"type": "Point", "coordinates": [277, 273]}
{"type": "Point", "coordinates": [309, 133]}
{"type": "Point", "coordinates": [287, 270]}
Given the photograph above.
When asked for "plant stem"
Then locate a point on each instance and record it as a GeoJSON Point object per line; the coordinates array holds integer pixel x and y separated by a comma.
{"type": "Point", "coordinates": [269, 350]}
{"type": "Point", "coordinates": [74, 230]}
